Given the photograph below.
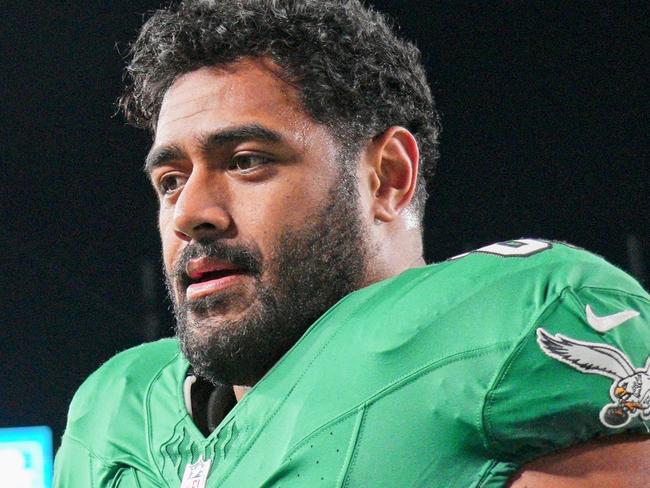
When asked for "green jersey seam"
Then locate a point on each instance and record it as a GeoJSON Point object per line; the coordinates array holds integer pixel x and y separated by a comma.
{"type": "Point", "coordinates": [643, 298]}
{"type": "Point", "coordinates": [416, 373]}
{"type": "Point", "coordinates": [402, 382]}
{"type": "Point", "coordinates": [80, 443]}
{"type": "Point", "coordinates": [104, 462]}
{"type": "Point", "coordinates": [147, 402]}
{"type": "Point", "coordinates": [488, 437]}
{"type": "Point", "coordinates": [353, 453]}
{"type": "Point", "coordinates": [253, 439]}
{"type": "Point", "coordinates": [135, 477]}
{"type": "Point", "coordinates": [487, 471]}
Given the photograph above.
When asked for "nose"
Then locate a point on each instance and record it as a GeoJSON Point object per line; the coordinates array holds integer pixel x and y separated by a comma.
{"type": "Point", "coordinates": [200, 209]}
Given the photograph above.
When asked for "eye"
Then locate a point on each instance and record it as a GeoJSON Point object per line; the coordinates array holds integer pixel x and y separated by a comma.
{"type": "Point", "coordinates": [170, 183]}
{"type": "Point", "coordinates": [246, 163]}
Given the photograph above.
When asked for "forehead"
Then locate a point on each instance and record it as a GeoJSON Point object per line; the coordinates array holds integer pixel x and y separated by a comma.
{"type": "Point", "coordinates": [247, 91]}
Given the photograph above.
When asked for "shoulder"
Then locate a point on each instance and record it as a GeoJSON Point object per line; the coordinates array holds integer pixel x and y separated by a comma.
{"type": "Point", "coordinates": [508, 285]}
{"type": "Point", "coordinates": [575, 331]}
{"type": "Point", "coordinates": [577, 368]}
{"type": "Point", "coordinates": [113, 398]}
{"type": "Point", "coordinates": [512, 263]}
{"type": "Point", "coordinates": [452, 348]}
{"type": "Point", "coordinates": [556, 263]}
{"type": "Point", "coordinates": [482, 299]}
{"type": "Point", "coordinates": [487, 296]}
{"type": "Point", "coordinates": [126, 373]}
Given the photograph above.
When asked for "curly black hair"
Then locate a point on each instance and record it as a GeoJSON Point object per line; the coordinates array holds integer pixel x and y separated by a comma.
{"type": "Point", "coordinates": [352, 73]}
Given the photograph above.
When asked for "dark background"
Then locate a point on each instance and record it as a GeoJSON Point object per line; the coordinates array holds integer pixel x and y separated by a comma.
{"type": "Point", "coordinates": [545, 114]}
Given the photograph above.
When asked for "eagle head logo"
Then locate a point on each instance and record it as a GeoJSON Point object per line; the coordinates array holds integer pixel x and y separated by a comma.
{"type": "Point", "coordinates": [630, 391]}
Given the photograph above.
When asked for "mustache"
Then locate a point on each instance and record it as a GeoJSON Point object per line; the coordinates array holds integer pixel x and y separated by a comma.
{"type": "Point", "coordinates": [247, 258]}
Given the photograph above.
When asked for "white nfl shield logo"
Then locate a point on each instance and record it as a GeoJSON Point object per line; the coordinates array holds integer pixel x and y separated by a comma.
{"type": "Point", "coordinates": [196, 474]}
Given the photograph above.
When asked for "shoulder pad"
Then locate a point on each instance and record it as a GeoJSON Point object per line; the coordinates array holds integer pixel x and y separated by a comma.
{"type": "Point", "coordinates": [112, 399]}
{"type": "Point", "coordinates": [580, 370]}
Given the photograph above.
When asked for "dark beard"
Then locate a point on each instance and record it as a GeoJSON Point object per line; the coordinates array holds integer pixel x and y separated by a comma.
{"type": "Point", "coordinates": [311, 268]}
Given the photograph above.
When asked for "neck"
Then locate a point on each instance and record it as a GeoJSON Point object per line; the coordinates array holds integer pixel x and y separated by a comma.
{"type": "Point", "coordinates": [393, 253]}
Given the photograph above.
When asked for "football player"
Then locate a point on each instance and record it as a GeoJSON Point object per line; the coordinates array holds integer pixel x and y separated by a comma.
{"type": "Point", "coordinates": [291, 145]}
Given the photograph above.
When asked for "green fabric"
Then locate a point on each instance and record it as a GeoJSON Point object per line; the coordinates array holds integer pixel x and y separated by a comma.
{"type": "Point", "coordinates": [433, 378]}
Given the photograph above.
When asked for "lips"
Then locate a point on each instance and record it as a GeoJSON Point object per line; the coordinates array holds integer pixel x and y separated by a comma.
{"type": "Point", "coordinates": [207, 276]}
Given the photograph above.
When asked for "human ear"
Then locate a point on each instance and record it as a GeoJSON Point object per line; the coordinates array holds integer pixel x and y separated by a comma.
{"type": "Point", "coordinates": [394, 161]}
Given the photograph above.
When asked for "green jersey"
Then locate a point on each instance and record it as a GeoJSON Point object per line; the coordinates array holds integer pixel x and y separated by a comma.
{"type": "Point", "coordinates": [450, 375]}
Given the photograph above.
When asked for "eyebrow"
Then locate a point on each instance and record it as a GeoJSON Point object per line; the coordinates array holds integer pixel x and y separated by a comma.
{"type": "Point", "coordinates": [211, 141]}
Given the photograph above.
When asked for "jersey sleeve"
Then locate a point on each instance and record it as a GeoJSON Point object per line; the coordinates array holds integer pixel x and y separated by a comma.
{"type": "Point", "coordinates": [74, 467]}
{"type": "Point", "coordinates": [105, 441]}
{"type": "Point", "coordinates": [579, 371]}
{"type": "Point", "coordinates": [77, 467]}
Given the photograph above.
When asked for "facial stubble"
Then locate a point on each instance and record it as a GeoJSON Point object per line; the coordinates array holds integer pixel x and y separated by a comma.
{"type": "Point", "coordinates": [310, 269]}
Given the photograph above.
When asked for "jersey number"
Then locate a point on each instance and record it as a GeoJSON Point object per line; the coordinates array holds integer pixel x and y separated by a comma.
{"type": "Point", "coordinates": [519, 248]}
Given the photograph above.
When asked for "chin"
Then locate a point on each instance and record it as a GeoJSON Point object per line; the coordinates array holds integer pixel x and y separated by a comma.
{"type": "Point", "coordinates": [217, 306]}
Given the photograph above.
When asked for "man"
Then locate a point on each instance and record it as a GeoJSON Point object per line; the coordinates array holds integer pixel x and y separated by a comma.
{"type": "Point", "coordinates": [292, 140]}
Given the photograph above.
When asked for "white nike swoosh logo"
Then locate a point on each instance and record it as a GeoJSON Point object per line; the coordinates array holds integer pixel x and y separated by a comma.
{"type": "Point", "coordinates": [608, 322]}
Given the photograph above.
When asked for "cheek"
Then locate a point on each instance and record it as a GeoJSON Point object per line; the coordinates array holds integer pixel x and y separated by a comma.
{"type": "Point", "coordinates": [170, 243]}
{"type": "Point", "coordinates": [289, 203]}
